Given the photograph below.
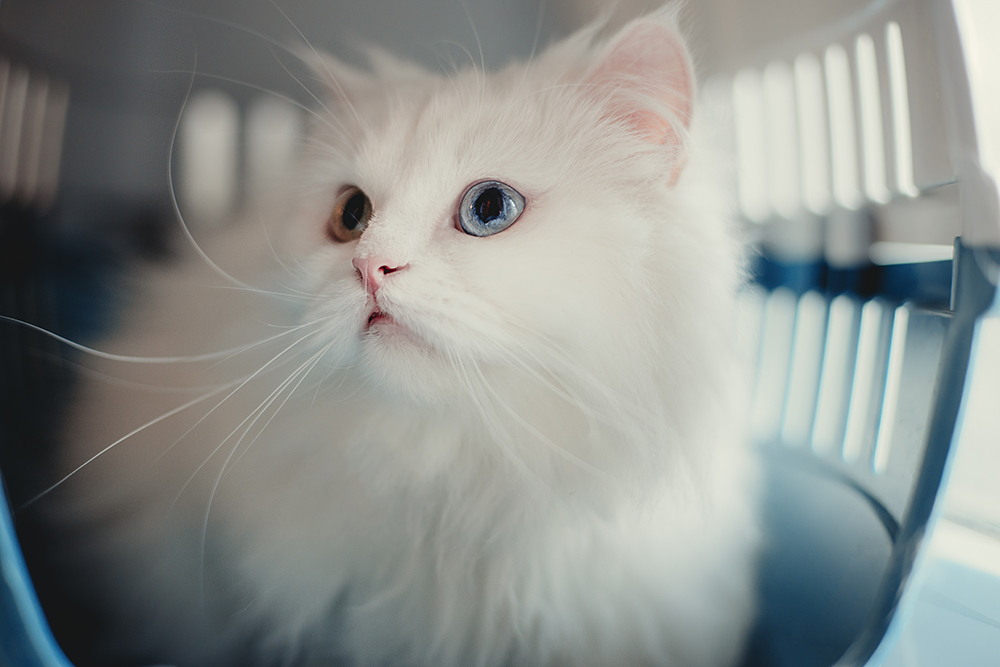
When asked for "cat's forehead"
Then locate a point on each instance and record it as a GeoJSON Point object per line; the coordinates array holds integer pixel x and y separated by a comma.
{"type": "Point", "coordinates": [454, 131]}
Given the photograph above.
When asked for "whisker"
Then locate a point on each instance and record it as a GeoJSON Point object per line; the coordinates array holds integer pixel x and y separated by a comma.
{"type": "Point", "coordinates": [305, 295]}
{"type": "Point", "coordinates": [538, 30]}
{"type": "Point", "coordinates": [305, 271]}
{"type": "Point", "coordinates": [315, 359]}
{"type": "Point", "coordinates": [626, 412]}
{"type": "Point", "coordinates": [251, 86]}
{"type": "Point", "coordinates": [229, 24]}
{"type": "Point", "coordinates": [565, 392]}
{"type": "Point", "coordinates": [169, 414]}
{"type": "Point", "coordinates": [119, 382]}
{"type": "Point", "coordinates": [258, 411]}
{"type": "Point", "coordinates": [580, 85]}
{"type": "Point", "coordinates": [322, 320]}
{"type": "Point", "coordinates": [218, 405]}
{"type": "Point", "coordinates": [340, 383]}
{"type": "Point", "coordinates": [341, 130]}
{"type": "Point", "coordinates": [319, 385]}
{"type": "Point", "coordinates": [455, 68]}
{"type": "Point", "coordinates": [479, 44]}
{"type": "Point", "coordinates": [208, 356]}
{"type": "Point", "coordinates": [173, 190]}
{"type": "Point", "coordinates": [152, 422]}
{"type": "Point", "coordinates": [492, 424]}
{"type": "Point", "coordinates": [254, 415]}
{"type": "Point", "coordinates": [269, 292]}
{"type": "Point", "coordinates": [621, 411]}
{"type": "Point", "coordinates": [192, 428]}
{"type": "Point", "coordinates": [561, 451]}
{"type": "Point", "coordinates": [534, 44]}
{"type": "Point", "coordinates": [333, 78]}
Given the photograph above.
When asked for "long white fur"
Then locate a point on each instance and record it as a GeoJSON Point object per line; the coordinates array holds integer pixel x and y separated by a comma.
{"type": "Point", "coordinates": [547, 468]}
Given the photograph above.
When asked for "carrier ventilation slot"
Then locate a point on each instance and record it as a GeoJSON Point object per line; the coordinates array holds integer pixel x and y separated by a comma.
{"type": "Point", "coordinates": [228, 155]}
{"type": "Point", "coordinates": [844, 378]}
{"type": "Point", "coordinates": [900, 110]}
{"type": "Point", "coordinates": [814, 154]}
{"type": "Point", "coordinates": [811, 132]}
{"type": "Point", "coordinates": [822, 142]}
{"type": "Point", "coordinates": [32, 119]}
{"type": "Point", "coordinates": [870, 103]}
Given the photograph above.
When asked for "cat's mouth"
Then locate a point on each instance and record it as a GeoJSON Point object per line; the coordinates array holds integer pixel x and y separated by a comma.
{"type": "Point", "coordinates": [387, 327]}
{"type": "Point", "coordinates": [377, 317]}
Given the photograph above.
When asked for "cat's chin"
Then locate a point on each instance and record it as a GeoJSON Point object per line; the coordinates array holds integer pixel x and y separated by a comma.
{"type": "Point", "coordinates": [403, 365]}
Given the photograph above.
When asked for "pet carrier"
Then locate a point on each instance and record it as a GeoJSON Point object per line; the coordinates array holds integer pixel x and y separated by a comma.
{"type": "Point", "coordinates": [866, 142]}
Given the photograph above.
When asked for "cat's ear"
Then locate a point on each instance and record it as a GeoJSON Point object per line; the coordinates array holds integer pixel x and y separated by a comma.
{"type": "Point", "coordinates": [645, 78]}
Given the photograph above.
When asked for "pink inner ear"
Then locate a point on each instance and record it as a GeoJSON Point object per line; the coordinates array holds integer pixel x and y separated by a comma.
{"type": "Point", "coordinates": [648, 60]}
{"type": "Point", "coordinates": [654, 128]}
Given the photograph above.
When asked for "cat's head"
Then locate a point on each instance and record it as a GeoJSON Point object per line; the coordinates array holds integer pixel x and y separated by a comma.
{"type": "Point", "coordinates": [502, 236]}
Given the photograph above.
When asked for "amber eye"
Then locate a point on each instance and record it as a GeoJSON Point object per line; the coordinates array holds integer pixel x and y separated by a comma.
{"type": "Point", "coordinates": [350, 215]}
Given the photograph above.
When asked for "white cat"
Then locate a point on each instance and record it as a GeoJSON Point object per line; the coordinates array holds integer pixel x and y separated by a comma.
{"type": "Point", "coordinates": [482, 402]}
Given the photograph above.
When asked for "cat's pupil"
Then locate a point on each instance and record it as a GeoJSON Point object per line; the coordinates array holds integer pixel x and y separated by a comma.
{"type": "Point", "coordinates": [489, 205]}
{"type": "Point", "coordinates": [354, 211]}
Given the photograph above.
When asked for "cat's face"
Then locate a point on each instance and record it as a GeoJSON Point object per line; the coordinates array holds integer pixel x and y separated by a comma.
{"type": "Point", "coordinates": [562, 171]}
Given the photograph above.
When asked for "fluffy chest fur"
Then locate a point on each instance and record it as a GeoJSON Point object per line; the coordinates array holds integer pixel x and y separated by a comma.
{"type": "Point", "coordinates": [428, 442]}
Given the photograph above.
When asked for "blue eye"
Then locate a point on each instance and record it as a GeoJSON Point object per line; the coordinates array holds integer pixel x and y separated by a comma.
{"type": "Point", "coordinates": [489, 207]}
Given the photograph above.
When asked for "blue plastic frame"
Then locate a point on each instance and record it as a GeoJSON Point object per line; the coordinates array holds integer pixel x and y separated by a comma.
{"type": "Point", "coordinates": [25, 637]}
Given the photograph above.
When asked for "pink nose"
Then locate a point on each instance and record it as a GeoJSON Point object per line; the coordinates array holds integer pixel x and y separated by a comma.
{"type": "Point", "coordinates": [373, 270]}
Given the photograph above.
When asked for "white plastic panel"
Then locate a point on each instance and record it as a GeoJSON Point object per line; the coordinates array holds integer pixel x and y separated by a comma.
{"type": "Point", "coordinates": [15, 97]}
{"type": "Point", "coordinates": [777, 331]}
{"type": "Point", "coordinates": [273, 132]}
{"type": "Point", "coordinates": [836, 375]}
{"type": "Point", "coordinates": [814, 153]}
{"type": "Point", "coordinates": [870, 104]}
{"type": "Point", "coordinates": [894, 375]}
{"type": "Point", "coordinates": [864, 397]}
{"type": "Point", "coordinates": [902, 140]}
{"type": "Point", "coordinates": [843, 133]}
{"type": "Point", "coordinates": [209, 156]}
{"type": "Point", "coordinates": [751, 144]}
{"type": "Point", "coordinates": [806, 362]}
{"type": "Point", "coordinates": [782, 139]}
{"type": "Point", "coordinates": [979, 22]}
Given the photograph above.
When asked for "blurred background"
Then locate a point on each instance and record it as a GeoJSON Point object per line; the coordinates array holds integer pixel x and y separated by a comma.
{"type": "Point", "coordinates": [855, 132]}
